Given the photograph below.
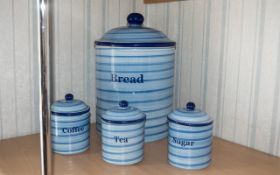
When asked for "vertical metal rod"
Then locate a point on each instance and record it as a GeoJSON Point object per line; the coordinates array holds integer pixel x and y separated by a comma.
{"type": "Point", "coordinates": [44, 76]}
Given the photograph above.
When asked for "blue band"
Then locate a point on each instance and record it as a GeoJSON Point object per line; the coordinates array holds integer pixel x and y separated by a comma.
{"type": "Point", "coordinates": [190, 124]}
{"type": "Point", "coordinates": [124, 122]}
{"type": "Point", "coordinates": [70, 114]}
{"type": "Point", "coordinates": [166, 44]}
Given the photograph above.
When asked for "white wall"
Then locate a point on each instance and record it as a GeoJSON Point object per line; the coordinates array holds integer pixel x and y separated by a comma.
{"type": "Point", "coordinates": [18, 92]}
{"type": "Point", "coordinates": [228, 60]}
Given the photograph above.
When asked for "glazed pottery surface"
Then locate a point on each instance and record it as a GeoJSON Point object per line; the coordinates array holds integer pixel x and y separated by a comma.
{"type": "Point", "coordinates": [190, 138]}
{"type": "Point", "coordinates": [70, 125]}
{"type": "Point", "coordinates": [123, 135]}
{"type": "Point", "coordinates": [136, 64]}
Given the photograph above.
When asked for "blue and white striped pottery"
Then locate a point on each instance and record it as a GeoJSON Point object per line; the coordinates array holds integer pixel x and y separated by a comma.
{"type": "Point", "coordinates": [136, 63]}
{"type": "Point", "coordinates": [190, 138]}
{"type": "Point", "coordinates": [70, 126]}
{"type": "Point", "coordinates": [123, 135]}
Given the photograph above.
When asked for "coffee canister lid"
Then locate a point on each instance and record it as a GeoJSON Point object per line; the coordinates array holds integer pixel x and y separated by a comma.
{"type": "Point", "coordinates": [123, 114]}
{"type": "Point", "coordinates": [69, 106]}
{"type": "Point", "coordinates": [134, 35]}
{"type": "Point", "coordinates": [190, 116]}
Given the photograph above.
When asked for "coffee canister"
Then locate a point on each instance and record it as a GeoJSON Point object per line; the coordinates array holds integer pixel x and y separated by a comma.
{"type": "Point", "coordinates": [123, 134]}
{"type": "Point", "coordinates": [70, 125]}
{"type": "Point", "coordinates": [190, 138]}
{"type": "Point", "coordinates": [136, 63]}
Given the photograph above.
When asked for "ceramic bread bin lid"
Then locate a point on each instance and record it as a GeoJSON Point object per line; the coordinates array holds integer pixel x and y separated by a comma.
{"type": "Point", "coordinates": [134, 35]}
{"type": "Point", "coordinates": [123, 114]}
{"type": "Point", "coordinates": [69, 106]}
{"type": "Point", "coordinates": [190, 116]}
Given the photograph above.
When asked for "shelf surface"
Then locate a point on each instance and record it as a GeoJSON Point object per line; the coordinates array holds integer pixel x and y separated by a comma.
{"type": "Point", "coordinates": [22, 156]}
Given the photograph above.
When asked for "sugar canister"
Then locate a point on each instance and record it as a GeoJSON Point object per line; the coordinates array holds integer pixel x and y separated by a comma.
{"type": "Point", "coordinates": [70, 125]}
{"type": "Point", "coordinates": [123, 134]}
{"type": "Point", "coordinates": [190, 138]}
{"type": "Point", "coordinates": [136, 63]}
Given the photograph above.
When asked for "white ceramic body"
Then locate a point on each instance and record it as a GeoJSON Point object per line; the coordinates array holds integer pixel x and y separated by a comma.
{"type": "Point", "coordinates": [127, 150]}
{"type": "Point", "coordinates": [189, 147]}
{"type": "Point", "coordinates": [70, 134]}
{"type": "Point", "coordinates": [152, 93]}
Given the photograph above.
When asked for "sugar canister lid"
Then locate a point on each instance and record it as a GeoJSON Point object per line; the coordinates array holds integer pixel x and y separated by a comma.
{"type": "Point", "coordinates": [134, 35]}
{"type": "Point", "coordinates": [69, 106]}
{"type": "Point", "coordinates": [190, 116]}
{"type": "Point", "coordinates": [123, 114]}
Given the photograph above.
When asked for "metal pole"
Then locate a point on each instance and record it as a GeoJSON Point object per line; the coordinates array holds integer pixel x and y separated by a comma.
{"type": "Point", "coordinates": [44, 76]}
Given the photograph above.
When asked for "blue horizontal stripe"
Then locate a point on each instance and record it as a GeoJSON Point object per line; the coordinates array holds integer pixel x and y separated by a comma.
{"type": "Point", "coordinates": [145, 111]}
{"type": "Point", "coordinates": [63, 104]}
{"type": "Point", "coordinates": [131, 37]}
{"type": "Point", "coordinates": [73, 121]}
{"type": "Point", "coordinates": [128, 36]}
{"type": "Point", "coordinates": [70, 150]}
{"type": "Point", "coordinates": [121, 146]}
{"type": "Point", "coordinates": [155, 126]}
{"type": "Point", "coordinates": [155, 118]}
{"type": "Point", "coordinates": [124, 122]}
{"type": "Point", "coordinates": [127, 56]}
{"type": "Point", "coordinates": [138, 135]}
{"type": "Point", "coordinates": [135, 92]}
{"type": "Point", "coordinates": [77, 134]}
{"type": "Point", "coordinates": [135, 64]}
{"type": "Point", "coordinates": [108, 152]}
{"type": "Point", "coordinates": [128, 130]}
{"type": "Point", "coordinates": [182, 131]}
{"type": "Point", "coordinates": [124, 48]}
{"type": "Point", "coordinates": [157, 133]}
{"type": "Point", "coordinates": [143, 30]}
{"type": "Point", "coordinates": [158, 109]}
{"type": "Point", "coordinates": [135, 32]}
{"type": "Point", "coordinates": [53, 127]}
{"type": "Point", "coordinates": [70, 114]}
{"type": "Point", "coordinates": [156, 79]}
{"type": "Point", "coordinates": [190, 124]}
{"type": "Point", "coordinates": [143, 71]}
{"type": "Point", "coordinates": [190, 165]}
{"type": "Point", "coordinates": [189, 157]}
{"type": "Point", "coordinates": [193, 140]}
{"type": "Point", "coordinates": [123, 161]}
{"type": "Point", "coordinates": [63, 143]}
{"type": "Point", "coordinates": [195, 148]}
{"type": "Point", "coordinates": [151, 44]}
{"type": "Point", "coordinates": [135, 102]}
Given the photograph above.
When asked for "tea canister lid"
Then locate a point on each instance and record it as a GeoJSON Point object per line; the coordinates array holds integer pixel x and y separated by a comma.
{"type": "Point", "coordinates": [134, 35]}
{"type": "Point", "coordinates": [190, 116]}
{"type": "Point", "coordinates": [123, 114]}
{"type": "Point", "coordinates": [69, 106]}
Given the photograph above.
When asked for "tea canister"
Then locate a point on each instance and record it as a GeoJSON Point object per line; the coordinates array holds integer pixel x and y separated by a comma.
{"type": "Point", "coordinates": [70, 125]}
{"type": "Point", "coordinates": [136, 63]}
{"type": "Point", "coordinates": [123, 135]}
{"type": "Point", "coordinates": [190, 138]}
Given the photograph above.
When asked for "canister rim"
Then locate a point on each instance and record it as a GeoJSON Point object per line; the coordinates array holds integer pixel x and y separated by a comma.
{"type": "Point", "coordinates": [193, 124]}
{"type": "Point", "coordinates": [125, 121]}
{"type": "Point", "coordinates": [154, 44]}
{"type": "Point", "coordinates": [71, 113]}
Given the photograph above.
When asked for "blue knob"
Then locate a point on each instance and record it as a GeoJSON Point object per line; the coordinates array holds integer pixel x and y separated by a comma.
{"type": "Point", "coordinates": [123, 104]}
{"type": "Point", "coordinates": [135, 19]}
{"type": "Point", "coordinates": [69, 97]}
{"type": "Point", "coordinates": [190, 106]}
